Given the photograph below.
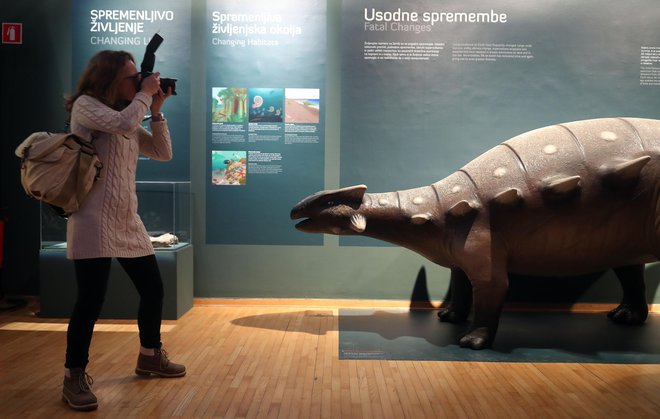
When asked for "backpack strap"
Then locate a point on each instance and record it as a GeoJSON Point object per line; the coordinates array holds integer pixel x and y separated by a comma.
{"type": "Point", "coordinates": [87, 158]}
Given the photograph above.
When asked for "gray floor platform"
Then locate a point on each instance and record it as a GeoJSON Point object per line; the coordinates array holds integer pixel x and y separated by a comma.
{"type": "Point", "coordinates": [522, 337]}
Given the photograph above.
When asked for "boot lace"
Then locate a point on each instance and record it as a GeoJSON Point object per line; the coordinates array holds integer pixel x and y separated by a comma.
{"type": "Point", "coordinates": [164, 361]}
{"type": "Point", "coordinates": [85, 382]}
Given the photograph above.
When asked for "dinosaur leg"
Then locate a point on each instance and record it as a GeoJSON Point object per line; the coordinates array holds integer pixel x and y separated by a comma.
{"type": "Point", "coordinates": [489, 292]}
{"type": "Point", "coordinates": [460, 298]}
{"type": "Point", "coordinates": [633, 308]}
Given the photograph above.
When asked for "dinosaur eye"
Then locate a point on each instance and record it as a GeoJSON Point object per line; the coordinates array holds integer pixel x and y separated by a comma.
{"type": "Point", "coordinates": [330, 203]}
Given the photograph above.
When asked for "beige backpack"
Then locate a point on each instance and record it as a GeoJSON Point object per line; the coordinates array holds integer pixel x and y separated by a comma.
{"type": "Point", "coordinates": [58, 168]}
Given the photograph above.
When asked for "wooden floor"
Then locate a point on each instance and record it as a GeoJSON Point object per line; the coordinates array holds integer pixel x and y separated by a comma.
{"type": "Point", "coordinates": [282, 362]}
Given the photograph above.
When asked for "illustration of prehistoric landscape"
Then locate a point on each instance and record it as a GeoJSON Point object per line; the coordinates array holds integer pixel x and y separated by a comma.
{"type": "Point", "coordinates": [228, 167]}
{"type": "Point", "coordinates": [229, 104]}
{"type": "Point", "coordinates": [266, 104]}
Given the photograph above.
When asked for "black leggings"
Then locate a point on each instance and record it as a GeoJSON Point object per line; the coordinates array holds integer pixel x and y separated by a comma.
{"type": "Point", "coordinates": [92, 277]}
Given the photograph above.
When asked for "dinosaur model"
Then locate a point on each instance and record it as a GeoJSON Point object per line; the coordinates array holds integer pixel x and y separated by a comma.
{"type": "Point", "coordinates": [564, 200]}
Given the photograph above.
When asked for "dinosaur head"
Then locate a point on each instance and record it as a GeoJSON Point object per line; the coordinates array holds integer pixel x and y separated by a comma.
{"type": "Point", "coordinates": [332, 212]}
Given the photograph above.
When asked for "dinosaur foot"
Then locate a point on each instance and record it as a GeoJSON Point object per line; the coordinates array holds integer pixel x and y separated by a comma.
{"type": "Point", "coordinates": [631, 314]}
{"type": "Point", "coordinates": [451, 315]}
{"type": "Point", "coordinates": [479, 338]}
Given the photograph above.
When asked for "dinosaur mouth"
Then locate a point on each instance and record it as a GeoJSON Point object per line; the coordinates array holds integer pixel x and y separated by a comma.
{"type": "Point", "coordinates": [357, 224]}
{"type": "Point", "coordinates": [305, 225]}
{"type": "Point", "coordinates": [311, 225]}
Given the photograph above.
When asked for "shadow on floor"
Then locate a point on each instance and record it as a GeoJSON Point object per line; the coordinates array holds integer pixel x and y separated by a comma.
{"type": "Point", "coordinates": [522, 337]}
{"type": "Point", "coordinates": [404, 334]}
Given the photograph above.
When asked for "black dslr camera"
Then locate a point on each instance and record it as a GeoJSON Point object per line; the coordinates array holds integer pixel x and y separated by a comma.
{"type": "Point", "coordinates": [147, 66]}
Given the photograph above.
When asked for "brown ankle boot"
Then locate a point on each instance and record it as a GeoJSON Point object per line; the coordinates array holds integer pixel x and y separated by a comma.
{"type": "Point", "coordinates": [159, 365]}
{"type": "Point", "coordinates": [77, 390]}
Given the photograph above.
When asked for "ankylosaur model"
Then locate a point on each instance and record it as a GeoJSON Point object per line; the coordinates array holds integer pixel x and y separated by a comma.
{"type": "Point", "coordinates": [568, 199]}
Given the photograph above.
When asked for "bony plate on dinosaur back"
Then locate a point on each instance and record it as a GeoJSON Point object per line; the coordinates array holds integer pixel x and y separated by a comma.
{"type": "Point", "coordinates": [563, 200]}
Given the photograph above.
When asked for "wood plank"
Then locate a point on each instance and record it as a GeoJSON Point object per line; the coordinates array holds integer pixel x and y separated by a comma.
{"type": "Point", "coordinates": [279, 361]}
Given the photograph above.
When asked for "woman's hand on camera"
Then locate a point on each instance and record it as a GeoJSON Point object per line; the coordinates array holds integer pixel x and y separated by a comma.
{"type": "Point", "coordinates": [151, 85]}
{"type": "Point", "coordinates": [159, 98]}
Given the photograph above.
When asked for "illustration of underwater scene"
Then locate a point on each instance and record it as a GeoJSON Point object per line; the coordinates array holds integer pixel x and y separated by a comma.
{"type": "Point", "coordinates": [228, 167]}
{"type": "Point", "coordinates": [302, 106]}
{"type": "Point", "coordinates": [229, 104]}
{"type": "Point", "coordinates": [266, 105]}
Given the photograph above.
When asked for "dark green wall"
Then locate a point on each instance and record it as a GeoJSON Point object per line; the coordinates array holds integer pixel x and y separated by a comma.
{"type": "Point", "coordinates": [35, 78]}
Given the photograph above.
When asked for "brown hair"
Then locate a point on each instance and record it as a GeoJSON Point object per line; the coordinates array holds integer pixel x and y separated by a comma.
{"type": "Point", "coordinates": [99, 78]}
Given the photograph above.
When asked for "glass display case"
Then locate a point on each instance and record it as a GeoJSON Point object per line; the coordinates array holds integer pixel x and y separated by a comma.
{"type": "Point", "coordinates": [164, 207]}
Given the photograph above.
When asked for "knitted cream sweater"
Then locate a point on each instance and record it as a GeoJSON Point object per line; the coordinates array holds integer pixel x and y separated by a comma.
{"type": "Point", "coordinates": [107, 224]}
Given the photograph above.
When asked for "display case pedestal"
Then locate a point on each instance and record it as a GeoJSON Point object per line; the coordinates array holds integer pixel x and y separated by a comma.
{"type": "Point", "coordinates": [58, 285]}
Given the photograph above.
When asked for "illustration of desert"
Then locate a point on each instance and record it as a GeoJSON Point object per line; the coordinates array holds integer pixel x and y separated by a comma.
{"type": "Point", "coordinates": [302, 106]}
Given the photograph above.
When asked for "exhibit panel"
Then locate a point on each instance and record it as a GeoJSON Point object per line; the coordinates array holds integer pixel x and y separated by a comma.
{"type": "Point", "coordinates": [265, 107]}
{"type": "Point", "coordinates": [123, 25]}
{"type": "Point", "coordinates": [428, 86]}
